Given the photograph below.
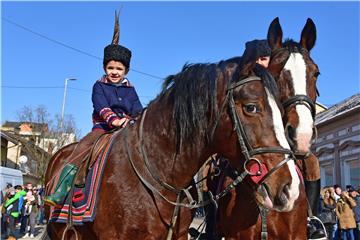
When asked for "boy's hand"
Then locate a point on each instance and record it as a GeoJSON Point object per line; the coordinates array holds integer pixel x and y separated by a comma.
{"type": "Point", "coordinates": [120, 122]}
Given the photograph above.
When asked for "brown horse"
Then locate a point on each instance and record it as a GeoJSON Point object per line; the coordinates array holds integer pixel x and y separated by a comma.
{"type": "Point", "coordinates": [295, 73]}
{"type": "Point", "coordinates": [192, 118]}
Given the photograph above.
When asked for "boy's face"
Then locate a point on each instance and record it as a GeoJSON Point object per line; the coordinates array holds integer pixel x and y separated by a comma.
{"type": "Point", "coordinates": [264, 61]}
{"type": "Point", "coordinates": [115, 71]}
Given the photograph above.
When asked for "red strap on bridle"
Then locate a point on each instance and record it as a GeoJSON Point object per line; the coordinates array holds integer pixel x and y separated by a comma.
{"type": "Point", "coordinates": [254, 169]}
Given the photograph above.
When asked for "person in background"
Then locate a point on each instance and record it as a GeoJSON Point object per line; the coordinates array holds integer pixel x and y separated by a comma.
{"type": "Point", "coordinates": [337, 193]}
{"type": "Point", "coordinates": [41, 205]}
{"type": "Point", "coordinates": [327, 206]}
{"type": "Point", "coordinates": [13, 207]}
{"type": "Point", "coordinates": [25, 217]}
{"type": "Point", "coordinates": [356, 196]}
{"type": "Point", "coordinates": [31, 210]}
{"type": "Point", "coordinates": [346, 217]}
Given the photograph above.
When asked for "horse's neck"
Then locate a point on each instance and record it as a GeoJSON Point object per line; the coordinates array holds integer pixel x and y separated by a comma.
{"type": "Point", "coordinates": [159, 139]}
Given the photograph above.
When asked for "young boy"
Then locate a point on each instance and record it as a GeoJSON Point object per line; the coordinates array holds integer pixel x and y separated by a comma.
{"type": "Point", "coordinates": [115, 103]}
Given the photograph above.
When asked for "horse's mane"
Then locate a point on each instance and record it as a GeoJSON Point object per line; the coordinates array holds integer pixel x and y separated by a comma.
{"type": "Point", "coordinates": [294, 47]}
{"type": "Point", "coordinates": [192, 92]}
{"type": "Point", "coordinates": [193, 95]}
{"type": "Point", "coordinates": [268, 81]}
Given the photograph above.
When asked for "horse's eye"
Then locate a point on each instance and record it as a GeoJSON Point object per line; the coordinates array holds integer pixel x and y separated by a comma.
{"type": "Point", "coordinates": [251, 108]}
{"type": "Point", "coordinates": [316, 74]}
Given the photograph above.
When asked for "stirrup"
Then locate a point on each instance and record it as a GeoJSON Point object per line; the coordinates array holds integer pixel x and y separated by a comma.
{"type": "Point", "coordinates": [49, 202]}
{"type": "Point", "coordinates": [315, 219]}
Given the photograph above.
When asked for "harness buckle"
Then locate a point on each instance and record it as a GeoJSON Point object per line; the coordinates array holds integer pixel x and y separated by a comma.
{"type": "Point", "coordinates": [248, 170]}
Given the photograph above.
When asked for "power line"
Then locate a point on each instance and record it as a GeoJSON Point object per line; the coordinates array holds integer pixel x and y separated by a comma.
{"type": "Point", "coordinates": [6, 86]}
{"type": "Point", "coordinates": [55, 87]}
{"type": "Point", "coordinates": [70, 47]}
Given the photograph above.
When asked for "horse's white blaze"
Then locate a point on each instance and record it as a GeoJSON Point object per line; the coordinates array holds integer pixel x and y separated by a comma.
{"type": "Point", "coordinates": [280, 136]}
{"type": "Point", "coordinates": [303, 133]}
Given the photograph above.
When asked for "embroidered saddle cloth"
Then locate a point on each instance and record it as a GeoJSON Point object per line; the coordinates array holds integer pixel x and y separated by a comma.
{"type": "Point", "coordinates": [84, 200]}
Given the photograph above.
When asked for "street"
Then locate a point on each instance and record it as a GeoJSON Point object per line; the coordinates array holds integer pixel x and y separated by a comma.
{"type": "Point", "coordinates": [39, 230]}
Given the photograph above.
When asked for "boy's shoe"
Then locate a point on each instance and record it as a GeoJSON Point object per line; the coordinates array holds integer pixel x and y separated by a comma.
{"type": "Point", "coordinates": [31, 235]}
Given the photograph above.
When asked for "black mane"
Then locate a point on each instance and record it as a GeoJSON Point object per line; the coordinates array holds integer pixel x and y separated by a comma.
{"type": "Point", "coordinates": [193, 94]}
{"type": "Point", "coordinates": [294, 47]}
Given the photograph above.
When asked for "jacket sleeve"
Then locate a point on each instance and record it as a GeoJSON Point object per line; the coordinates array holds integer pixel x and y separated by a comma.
{"type": "Point", "coordinates": [136, 106]}
{"type": "Point", "coordinates": [352, 202]}
{"type": "Point", "coordinates": [11, 200]}
{"type": "Point", "coordinates": [101, 105]}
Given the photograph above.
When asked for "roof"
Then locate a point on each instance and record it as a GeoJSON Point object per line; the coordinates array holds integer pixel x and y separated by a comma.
{"type": "Point", "coordinates": [38, 127]}
{"type": "Point", "coordinates": [24, 141]}
{"type": "Point", "coordinates": [350, 104]}
{"type": "Point", "coordinates": [9, 138]}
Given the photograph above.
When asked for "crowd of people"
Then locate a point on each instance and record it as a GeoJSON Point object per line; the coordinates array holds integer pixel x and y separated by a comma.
{"type": "Point", "coordinates": [24, 206]}
{"type": "Point", "coordinates": [339, 210]}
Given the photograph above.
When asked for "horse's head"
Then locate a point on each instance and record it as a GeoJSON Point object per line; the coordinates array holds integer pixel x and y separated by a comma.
{"type": "Point", "coordinates": [250, 133]}
{"type": "Point", "coordinates": [296, 75]}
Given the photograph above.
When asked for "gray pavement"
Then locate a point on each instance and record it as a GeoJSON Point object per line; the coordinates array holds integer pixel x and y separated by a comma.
{"type": "Point", "coordinates": [197, 223]}
{"type": "Point", "coordinates": [39, 230]}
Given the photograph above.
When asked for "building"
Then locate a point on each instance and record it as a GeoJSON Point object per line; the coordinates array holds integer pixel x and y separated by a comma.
{"type": "Point", "coordinates": [28, 146]}
{"type": "Point", "coordinates": [20, 153]}
{"type": "Point", "coordinates": [338, 143]}
{"type": "Point", "coordinates": [22, 148]}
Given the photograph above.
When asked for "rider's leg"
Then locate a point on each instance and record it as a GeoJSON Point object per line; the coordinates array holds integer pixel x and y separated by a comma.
{"type": "Point", "coordinates": [311, 171]}
{"type": "Point", "coordinates": [69, 171]}
{"type": "Point", "coordinates": [312, 182]}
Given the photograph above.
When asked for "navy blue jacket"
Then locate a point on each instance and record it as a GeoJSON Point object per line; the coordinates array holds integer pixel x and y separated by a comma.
{"type": "Point", "coordinates": [113, 102]}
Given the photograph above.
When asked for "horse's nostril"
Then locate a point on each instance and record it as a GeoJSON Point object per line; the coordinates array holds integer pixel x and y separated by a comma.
{"type": "Point", "coordinates": [286, 190]}
{"type": "Point", "coordinates": [282, 198]}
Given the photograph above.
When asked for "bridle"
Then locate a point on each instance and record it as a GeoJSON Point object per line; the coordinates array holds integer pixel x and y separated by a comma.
{"type": "Point", "coordinates": [248, 151]}
{"type": "Point", "coordinates": [297, 99]}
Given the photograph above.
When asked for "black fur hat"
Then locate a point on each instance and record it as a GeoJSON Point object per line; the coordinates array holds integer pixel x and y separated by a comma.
{"type": "Point", "coordinates": [255, 49]}
{"type": "Point", "coordinates": [117, 53]}
{"type": "Point", "coordinates": [114, 51]}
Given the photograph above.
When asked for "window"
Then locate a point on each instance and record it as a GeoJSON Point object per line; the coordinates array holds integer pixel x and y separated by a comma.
{"type": "Point", "coordinates": [352, 138]}
{"type": "Point", "coordinates": [343, 132]}
{"type": "Point", "coordinates": [330, 136]}
{"type": "Point", "coordinates": [327, 175]}
{"type": "Point", "coordinates": [352, 172]}
{"type": "Point", "coordinates": [349, 151]}
{"type": "Point", "coordinates": [356, 128]}
{"type": "Point", "coordinates": [326, 156]}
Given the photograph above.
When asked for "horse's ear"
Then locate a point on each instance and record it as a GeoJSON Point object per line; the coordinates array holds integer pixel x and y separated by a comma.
{"type": "Point", "coordinates": [275, 34]}
{"type": "Point", "coordinates": [308, 35]}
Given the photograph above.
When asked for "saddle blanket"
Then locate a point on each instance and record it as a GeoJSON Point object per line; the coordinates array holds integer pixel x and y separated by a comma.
{"type": "Point", "coordinates": [84, 200]}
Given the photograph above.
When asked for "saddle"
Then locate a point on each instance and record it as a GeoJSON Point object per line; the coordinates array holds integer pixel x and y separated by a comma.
{"type": "Point", "coordinates": [90, 158]}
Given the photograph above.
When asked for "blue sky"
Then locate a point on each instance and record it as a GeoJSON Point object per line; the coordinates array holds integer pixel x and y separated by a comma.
{"type": "Point", "coordinates": [163, 36]}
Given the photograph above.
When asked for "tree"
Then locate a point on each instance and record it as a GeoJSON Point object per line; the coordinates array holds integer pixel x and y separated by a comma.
{"type": "Point", "coordinates": [46, 135]}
